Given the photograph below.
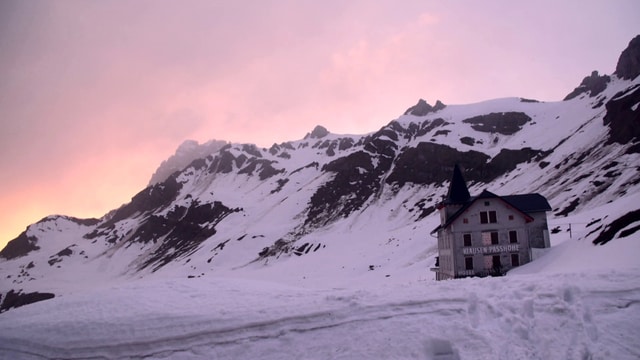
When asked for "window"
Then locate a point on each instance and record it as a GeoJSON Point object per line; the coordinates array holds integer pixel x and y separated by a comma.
{"type": "Point", "coordinates": [488, 217]}
{"type": "Point", "coordinates": [490, 238]}
{"type": "Point", "coordinates": [486, 203]}
{"type": "Point", "coordinates": [510, 217]}
{"type": "Point", "coordinates": [515, 260]}
{"type": "Point", "coordinates": [468, 262]}
{"type": "Point", "coordinates": [467, 239]}
{"type": "Point", "coordinates": [513, 236]}
{"type": "Point", "coordinates": [486, 238]}
{"type": "Point", "coordinates": [465, 221]}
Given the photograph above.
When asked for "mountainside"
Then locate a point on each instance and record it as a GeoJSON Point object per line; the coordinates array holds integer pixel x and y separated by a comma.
{"type": "Point", "coordinates": [354, 203]}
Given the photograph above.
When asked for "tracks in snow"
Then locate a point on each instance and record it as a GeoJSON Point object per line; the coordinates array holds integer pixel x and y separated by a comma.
{"type": "Point", "coordinates": [502, 318]}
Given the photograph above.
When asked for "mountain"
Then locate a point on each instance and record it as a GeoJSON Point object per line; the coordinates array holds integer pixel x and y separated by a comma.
{"type": "Point", "coordinates": [320, 247]}
{"type": "Point", "coordinates": [188, 151]}
{"type": "Point", "coordinates": [354, 201]}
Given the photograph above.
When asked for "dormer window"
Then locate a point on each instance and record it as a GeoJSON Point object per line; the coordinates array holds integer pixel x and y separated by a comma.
{"type": "Point", "coordinates": [488, 217]}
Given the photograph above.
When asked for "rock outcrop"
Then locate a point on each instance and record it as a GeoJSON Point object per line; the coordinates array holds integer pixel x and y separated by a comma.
{"type": "Point", "coordinates": [187, 152]}
{"type": "Point", "coordinates": [592, 85]}
{"type": "Point", "coordinates": [628, 66]}
{"type": "Point", "coordinates": [318, 133]}
{"type": "Point", "coordinates": [623, 117]}
{"type": "Point", "coordinates": [422, 108]}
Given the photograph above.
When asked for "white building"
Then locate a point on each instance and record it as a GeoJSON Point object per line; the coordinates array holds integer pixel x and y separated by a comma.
{"type": "Point", "coordinates": [488, 234]}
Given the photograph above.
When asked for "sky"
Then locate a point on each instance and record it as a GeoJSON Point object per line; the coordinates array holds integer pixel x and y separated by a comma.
{"type": "Point", "coordinates": [94, 95]}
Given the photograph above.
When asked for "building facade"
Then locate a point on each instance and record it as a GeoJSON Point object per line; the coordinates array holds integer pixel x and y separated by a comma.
{"type": "Point", "coordinates": [488, 234]}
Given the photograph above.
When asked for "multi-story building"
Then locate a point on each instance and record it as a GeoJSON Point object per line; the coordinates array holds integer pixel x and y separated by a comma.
{"type": "Point", "coordinates": [488, 234]}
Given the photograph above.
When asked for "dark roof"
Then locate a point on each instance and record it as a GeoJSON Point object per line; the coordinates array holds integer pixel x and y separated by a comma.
{"type": "Point", "coordinates": [458, 192]}
{"type": "Point", "coordinates": [528, 202]}
{"type": "Point", "coordinates": [525, 204]}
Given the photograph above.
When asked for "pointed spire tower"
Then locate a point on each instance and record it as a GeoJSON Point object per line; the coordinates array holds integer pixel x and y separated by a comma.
{"type": "Point", "coordinates": [458, 191]}
{"type": "Point", "coordinates": [457, 196]}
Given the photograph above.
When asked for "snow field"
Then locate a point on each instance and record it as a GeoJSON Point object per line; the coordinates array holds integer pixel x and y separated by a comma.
{"type": "Point", "coordinates": [591, 315]}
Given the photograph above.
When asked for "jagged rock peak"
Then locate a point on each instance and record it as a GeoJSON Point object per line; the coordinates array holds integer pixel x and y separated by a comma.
{"type": "Point", "coordinates": [423, 108]}
{"type": "Point", "coordinates": [318, 133]}
{"type": "Point", "coordinates": [629, 61]}
{"type": "Point", "coordinates": [188, 151]}
{"type": "Point", "coordinates": [593, 84]}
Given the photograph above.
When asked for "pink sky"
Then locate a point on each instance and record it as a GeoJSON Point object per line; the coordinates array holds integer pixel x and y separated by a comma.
{"type": "Point", "coordinates": [94, 95]}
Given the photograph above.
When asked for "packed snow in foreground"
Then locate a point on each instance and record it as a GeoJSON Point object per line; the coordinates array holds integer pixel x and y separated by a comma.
{"type": "Point", "coordinates": [539, 311]}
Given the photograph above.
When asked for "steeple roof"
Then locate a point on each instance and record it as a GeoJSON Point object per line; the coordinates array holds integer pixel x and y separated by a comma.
{"type": "Point", "coordinates": [458, 191]}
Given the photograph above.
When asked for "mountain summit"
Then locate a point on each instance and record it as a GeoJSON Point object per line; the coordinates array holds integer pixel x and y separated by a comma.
{"type": "Point", "coordinates": [422, 108]}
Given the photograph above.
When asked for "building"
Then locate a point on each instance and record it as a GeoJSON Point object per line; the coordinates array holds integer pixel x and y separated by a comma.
{"type": "Point", "coordinates": [488, 234]}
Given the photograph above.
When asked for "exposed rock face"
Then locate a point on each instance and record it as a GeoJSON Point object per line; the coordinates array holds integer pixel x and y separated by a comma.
{"type": "Point", "coordinates": [507, 123]}
{"type": "Point", "coordinates": [358, 176]}
{"type": "Point", "coordinates": [468, 140]}
{"type": "Point", "coordinates": [623, 116]}
{"type": "Point", "coordinates": [507, 160]}
{"type": "Point", "coordinates": [423, 108]}
{"type": "Point", "coordinates": [628, 66]}
{"type": "Point", "coordinates": [318, 133]}
{"type": "Point", "coordinates": [182, 231]}
{"type": "Point", "coordinates": [223, 162]}
{"type": "Point", "coordinates": [20, 246]}
{"type": "Point", "coordinates": [147, 200]}
{"type": "Point", "coordinates": [13, 299]}
{"type": "Point", "coordinates": [430, 163]}
{"type": "Point", "coordinates": [618, 224]}
{"type": "Point", "coordinates": [186, 153]}
{"type": "Point", "coordinates": [355, 180]}
{"type": "Point", "coordinates": [263, 167]}
{"type": "Point", "coordinates": [593, 85]}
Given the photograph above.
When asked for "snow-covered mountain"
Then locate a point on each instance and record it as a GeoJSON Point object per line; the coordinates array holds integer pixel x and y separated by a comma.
{"type": "Point", "coordinates": [337, 209]}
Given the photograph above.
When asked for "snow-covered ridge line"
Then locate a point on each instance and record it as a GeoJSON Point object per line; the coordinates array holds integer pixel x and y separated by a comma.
{"type": "Point", "coordinates": [311, 183]}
